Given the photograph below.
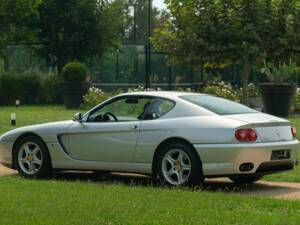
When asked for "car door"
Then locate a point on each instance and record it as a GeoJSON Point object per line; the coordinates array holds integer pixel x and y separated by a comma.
{"type": "Point", "coordinates": [110, 132]}
{"type": "Point", "coordinates": [153, 129]}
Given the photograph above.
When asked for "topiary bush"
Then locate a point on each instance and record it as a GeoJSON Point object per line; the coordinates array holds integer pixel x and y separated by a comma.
{"type": "Point", "coordinates": [74, 72]}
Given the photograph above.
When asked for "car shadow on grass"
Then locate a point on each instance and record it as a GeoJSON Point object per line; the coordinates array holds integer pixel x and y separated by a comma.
{"type": "Point", "coordinates": [262, 188]}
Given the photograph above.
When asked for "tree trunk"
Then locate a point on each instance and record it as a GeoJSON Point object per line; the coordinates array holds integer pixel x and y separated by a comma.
{"type": "Point", "coordinates": [245, 79]}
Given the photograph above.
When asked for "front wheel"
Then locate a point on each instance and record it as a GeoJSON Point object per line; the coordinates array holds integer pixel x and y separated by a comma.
{"type": "Point", "coordinates": [32, 158]}
{"type": "Point", "coordinates": [179, 165]}
{"type": "Point", "coordinates": [246, 179]}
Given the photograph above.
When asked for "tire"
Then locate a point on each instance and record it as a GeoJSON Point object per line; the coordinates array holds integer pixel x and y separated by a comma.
{"type": "Point", "coordinates": [245, 179]}
{"type": "Point", "coordinates": [32, 158]}
{"type": "Point", "coordinates": [178, 165]}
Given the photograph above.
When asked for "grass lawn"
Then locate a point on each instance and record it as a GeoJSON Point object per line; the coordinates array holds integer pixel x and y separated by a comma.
{"type": "Point", "coordinates": [27, 115]}
{"type": "Point", "coordinates": [63, 202]}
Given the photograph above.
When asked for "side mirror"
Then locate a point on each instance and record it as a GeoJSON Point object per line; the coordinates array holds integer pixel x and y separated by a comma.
{"type": "Point", "coordinates": [78, 117]}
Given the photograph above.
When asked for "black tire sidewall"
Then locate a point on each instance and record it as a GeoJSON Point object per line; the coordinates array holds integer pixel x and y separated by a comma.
{"type": "Point", "coordinates": [45, 169]}
{"type": "Point", "coordinates": [196, 176]}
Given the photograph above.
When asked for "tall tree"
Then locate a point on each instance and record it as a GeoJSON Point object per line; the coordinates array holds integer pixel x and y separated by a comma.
{"type": "Point", "coordinates": [230, 31]}
{"type": "Point", "coordinates": [137, 26]}
{"type": "Point", "coordinates": [78, 29]}
{"type": "Point", "coordinates": [17, 23]}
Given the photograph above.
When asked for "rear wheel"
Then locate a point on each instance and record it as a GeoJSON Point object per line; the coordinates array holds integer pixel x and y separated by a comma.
{"type": "Point", "coordinates": [32, 158]}
{"type": "Point", "coordinates": [245, 179]}
{"type": "Point", "coordinates": [179, 165]}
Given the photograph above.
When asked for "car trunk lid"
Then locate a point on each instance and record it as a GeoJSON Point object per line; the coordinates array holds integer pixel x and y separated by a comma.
{"type": "Point", "coordinates": [269, 128]}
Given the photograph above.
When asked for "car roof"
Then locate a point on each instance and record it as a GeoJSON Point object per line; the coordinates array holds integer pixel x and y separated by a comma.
{"type": "Point", "coordinates": [163, 94]}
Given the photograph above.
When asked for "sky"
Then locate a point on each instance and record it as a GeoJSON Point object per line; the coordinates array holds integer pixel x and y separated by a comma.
{"type": "Point", "coordinates": [159, 4]}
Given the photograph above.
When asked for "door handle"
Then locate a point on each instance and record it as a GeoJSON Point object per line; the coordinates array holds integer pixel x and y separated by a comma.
{"type": "Point", "coordinates": [134, 127]}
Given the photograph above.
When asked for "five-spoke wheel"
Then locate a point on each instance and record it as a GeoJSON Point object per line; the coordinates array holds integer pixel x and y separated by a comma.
{"type": "Point", "coordinates": [179, 165]}
{"type": "Point", "coordinates": [32, 158]}
{"type": "Point", "coordinates": [176, 167]}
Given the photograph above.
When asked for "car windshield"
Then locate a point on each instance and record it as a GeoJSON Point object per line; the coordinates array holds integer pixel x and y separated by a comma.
{"type": "Point", "coordinates": [218, 105]}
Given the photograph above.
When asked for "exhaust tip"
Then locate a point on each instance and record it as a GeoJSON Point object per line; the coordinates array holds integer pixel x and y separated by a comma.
{"type": "Point", "coordinates": [246, 167]}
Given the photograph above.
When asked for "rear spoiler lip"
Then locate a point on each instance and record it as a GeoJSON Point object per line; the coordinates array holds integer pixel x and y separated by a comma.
{"type": "Point", "coordinates": [265, 124]}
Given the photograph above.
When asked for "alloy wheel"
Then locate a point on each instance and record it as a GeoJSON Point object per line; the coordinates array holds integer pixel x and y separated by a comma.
{"type": "Point", "coordinates": [30, 158]}
{"type": "Point", "coordinates": [176, 167]}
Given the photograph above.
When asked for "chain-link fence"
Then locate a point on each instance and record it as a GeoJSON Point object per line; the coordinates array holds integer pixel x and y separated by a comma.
{"type": "Point", "coordinates": [125, 68]}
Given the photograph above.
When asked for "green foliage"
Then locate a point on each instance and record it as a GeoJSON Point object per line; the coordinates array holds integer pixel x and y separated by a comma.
{"type": "Point", "coordinates": [222, 90]}
{"type": "Point", "coordinates": [74, 71]}
{"type": "Point", "coordinates": [24, 87]}
{"type": "Point", "coordinates": [78, 30]}
{"type": "Point", "coordinates": [17, 19]}
{"type": "Point", "coordinates": [230, 31]}
{"type": "Point", "coordinates": [49, 90]}
{"type": "Point", "coordinates": [136, 15]}
{"type": "Point", "coordinates": [94, 97]}
{"type": "Point", "coordinates": [136, 89]}
{"type": "Point", "coordinates": [30, 88]}
{"type": "Point", "coordinates": [253, 90]}
{"type": "Point", "coordinates": [280, 73]}
{"type": "Point", "coordinates": [297, 101]}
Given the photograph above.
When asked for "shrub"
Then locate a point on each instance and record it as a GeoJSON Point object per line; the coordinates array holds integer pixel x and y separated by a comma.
{"type": "Point", "coordinates": [137, 89]}
{"type": "Point", "coordinates": [296, 101]}
{"type": "Point", "coordinates": [24, 87]}
{"type": "Point", "coordinates": [253, 91]}
{"type": "Point", "coordinates": [94, 97]}
{"type": "Point", "coordinates": [221, 89]}
{"type": "Point", "coordinates": [49, 91]}
{"type": "Point", "coordinates": [74, 71]}
{"type": "Point", "coordinates": [182, 89]}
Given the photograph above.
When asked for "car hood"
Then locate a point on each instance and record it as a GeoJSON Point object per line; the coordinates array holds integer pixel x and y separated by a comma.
{"type": "Point", "coordinates": [259, 118]}
{"type": "Point", "coordinates": [47, 131]}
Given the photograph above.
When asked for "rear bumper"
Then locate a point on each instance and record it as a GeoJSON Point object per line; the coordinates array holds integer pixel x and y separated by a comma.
{"type": "Point", "coordinates": [226, 159]}
{"type": "Point", "coordinates": [6, 154]}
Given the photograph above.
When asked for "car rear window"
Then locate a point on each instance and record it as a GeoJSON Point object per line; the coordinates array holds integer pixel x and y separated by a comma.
{"type": "Point", "coordinates": [218, 105]}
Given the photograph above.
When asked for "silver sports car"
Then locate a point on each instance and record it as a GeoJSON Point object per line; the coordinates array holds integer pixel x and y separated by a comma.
{"type": "Point", "coordinates": [180, 138]}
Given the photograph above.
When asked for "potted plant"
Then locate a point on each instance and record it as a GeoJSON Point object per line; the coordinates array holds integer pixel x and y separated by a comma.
{"type": "Point", "coordinates": [74, 84]}
{"type": "Point", "coordinates": [277, 95]}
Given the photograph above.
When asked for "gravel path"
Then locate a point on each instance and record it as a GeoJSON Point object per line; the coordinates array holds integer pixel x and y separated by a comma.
{"type": "Point", "coordinates": [6, 171]}
{"type": "Point", "coordinates": [280, 190]}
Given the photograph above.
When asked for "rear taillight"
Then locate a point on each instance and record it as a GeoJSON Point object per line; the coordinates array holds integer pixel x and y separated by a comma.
{"type": "Point", "coordinates": [246, 135]}
{"type": "Point", "coordinates": [294, 131]}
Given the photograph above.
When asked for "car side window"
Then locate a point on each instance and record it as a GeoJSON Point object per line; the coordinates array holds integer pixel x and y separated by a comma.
{"type": "Point", "coordinates": [158, 108]}
{"type": "Point", "coordinates": [122, 110]}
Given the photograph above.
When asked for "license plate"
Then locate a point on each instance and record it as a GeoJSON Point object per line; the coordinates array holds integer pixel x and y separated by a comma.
{"type": "Point", "coordinates": [281, 154]}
